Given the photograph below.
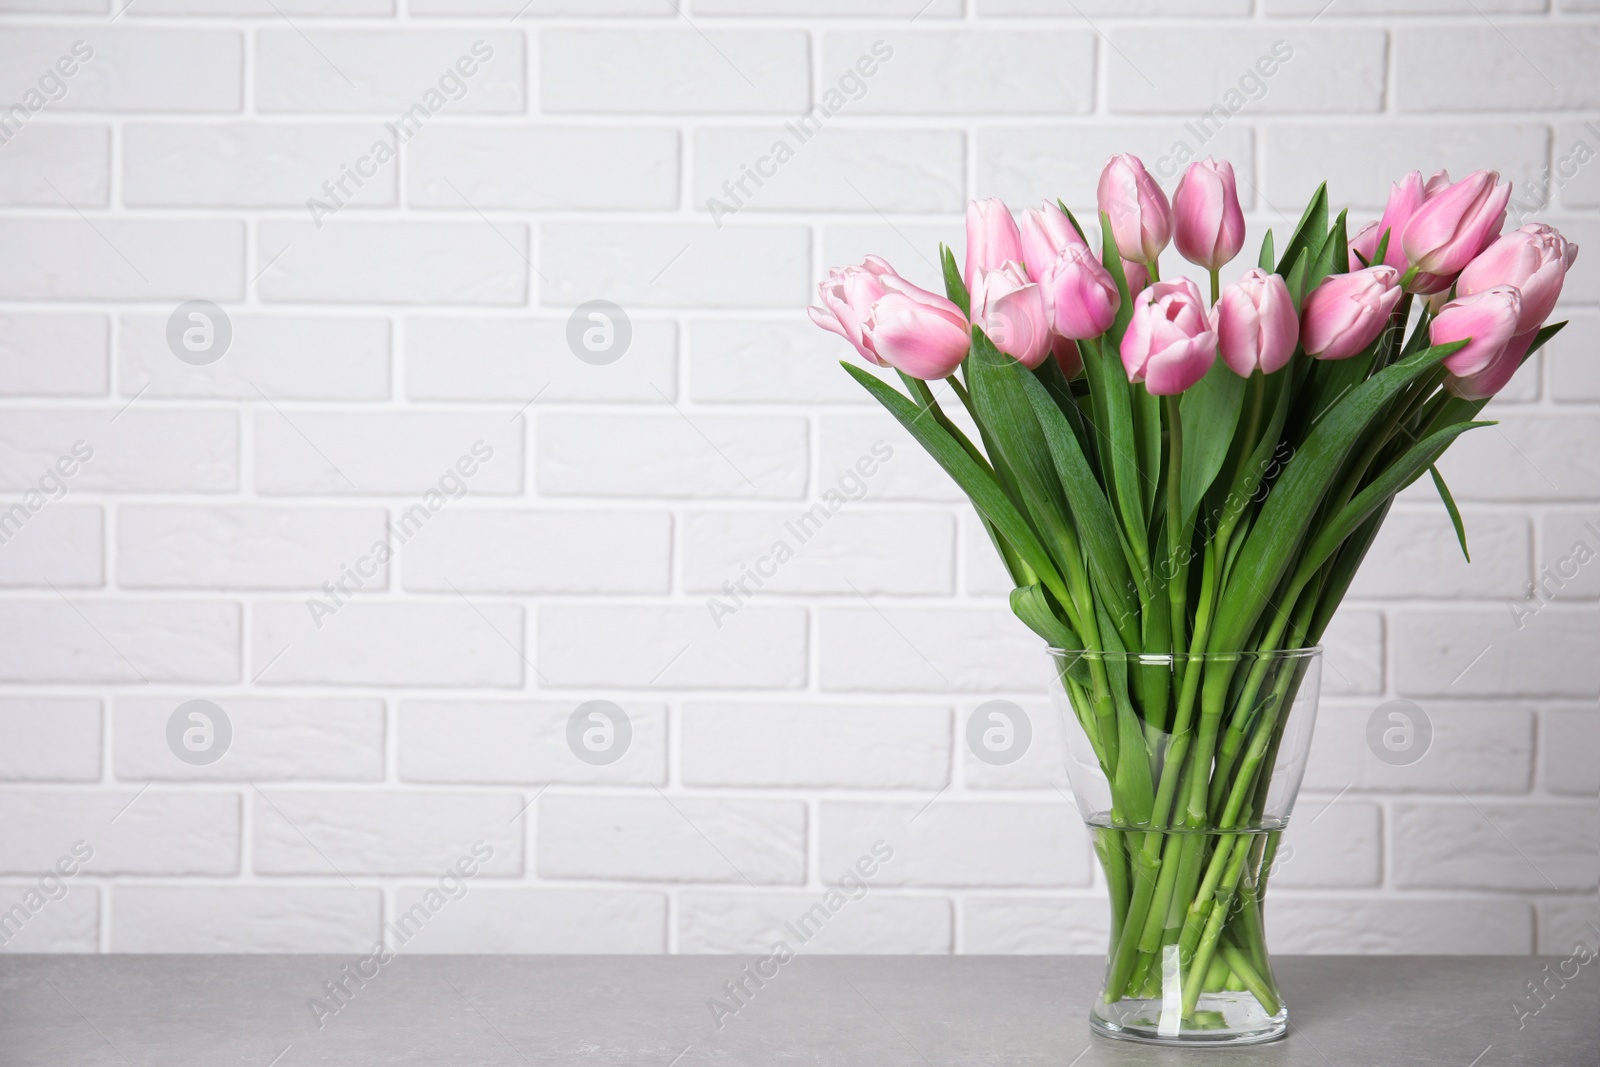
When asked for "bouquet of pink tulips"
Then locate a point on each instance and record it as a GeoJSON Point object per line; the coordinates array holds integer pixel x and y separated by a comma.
{"type": "Point", "coordinates": [1176, 476]}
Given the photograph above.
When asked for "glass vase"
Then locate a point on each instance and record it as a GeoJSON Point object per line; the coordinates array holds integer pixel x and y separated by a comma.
{"type": "Point", "coordinates": [1185, 769]}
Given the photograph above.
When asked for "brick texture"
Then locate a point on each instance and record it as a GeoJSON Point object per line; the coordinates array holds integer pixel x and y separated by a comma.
{"type": "Point", "coordinates": [627, 627]}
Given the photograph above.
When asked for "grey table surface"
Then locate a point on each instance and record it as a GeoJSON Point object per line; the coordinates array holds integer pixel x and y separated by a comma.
{"type": "Point", "coordinates": [253, 1011]}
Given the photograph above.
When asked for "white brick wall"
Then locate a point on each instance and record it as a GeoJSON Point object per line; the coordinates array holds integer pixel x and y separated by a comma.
{"type": "Point", "coordinates": [483, 167]}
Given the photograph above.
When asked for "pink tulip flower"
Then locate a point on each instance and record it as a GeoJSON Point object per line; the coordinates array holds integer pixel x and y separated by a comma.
{"type": "Point", "coordinates": [1141, 218]}
{"type": "Point", "coordinates": [1207, 223]}
{"type": "Point", "coordinates": [1453, 225]}
{"type": "Point", "coordinates": [1406, 196]}
{"type": "Point", "coordinates": [1068, 358]}
{"type": "Point", "coordinates": [1047, 234]}
{"type": "Point", "coordinates": [1010, 310]}
{"type": "Point", "coordinates": [1486, 321]}
{"type": "Point", "coordinates": [992, 238]}
{"type": "Point", "coordinates": [1364, 245]}
{"type": "Point", "coordinates": [1137, 274]}
{"type": "Point", "coordinates": [918, 332]}
{"type": "Point", "coordinates": [1080, 296]}
{"type": "Point", "coordinates": [1257, 325]}
{"type": "Point", "coordinates": [892, 322]}
{"type": "Point", "coordinates": [1346, 312]}
{"type": "Point", "coordinates": [1170, 343]}
{"type": "Point", "coordinates": [1493, 377]}
{"type": "Point", "coordinates": [1535, 259]}
{"type": "Point", "coordinates": [847, 297]}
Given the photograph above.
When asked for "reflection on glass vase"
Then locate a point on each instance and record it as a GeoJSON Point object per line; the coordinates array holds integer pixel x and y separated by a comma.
{"type": "Point", "coordinates": [1186, 768]}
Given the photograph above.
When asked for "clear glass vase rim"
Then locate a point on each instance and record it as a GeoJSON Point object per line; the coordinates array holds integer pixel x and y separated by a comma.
{"type": "Point", "coordinates": [1156, 658]}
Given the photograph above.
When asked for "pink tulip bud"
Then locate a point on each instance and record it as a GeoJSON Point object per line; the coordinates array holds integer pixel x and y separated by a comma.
{"type": "Point", "coordinates": [1010, 310]}
{"type": "Point", "coordinates": [1256, 323]}
{"type": "Point", "coordinates": [1364, 245]}
{"type": "Point", "coordinates": [918, 332]}
{"type": "Point", "coordinates": [1346, 312]}
{"type": "Point", "coordinates": [1208, 225]}
{"type": "Point", "coordinates": [1141, 218]}
{"type": "Point", "coordinates": [1486, 321]}
{"type": "Point", "coordinates": [1047, 234]}
{"type": "Point", "coordinates": [992, 237]}
{"type": "Point", "coordinates": [1534, 259]}
{"type": "Point", "coordinates": [1405, 197]}
{"type": "Point", "coordinates": [1080, 296]}
{"type": "Point", "coordinates": [1455, 224]}
{"type": "Point", "coordinates": [1137, 274]}
{"type": "Point", "coordinates": [1170, 343]}
{"type": "Point", "coordinates": [1067, 356]}
{"type": "Point", "coordinates": [892, 322]}
{"type": "Point", "coordinates": [847, 297]}
{"type": "Point", "coordinates": [1493, 377]}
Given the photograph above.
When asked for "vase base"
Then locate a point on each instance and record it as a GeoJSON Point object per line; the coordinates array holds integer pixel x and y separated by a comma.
{"type": "Point", "coordinates": [1228, 1018]}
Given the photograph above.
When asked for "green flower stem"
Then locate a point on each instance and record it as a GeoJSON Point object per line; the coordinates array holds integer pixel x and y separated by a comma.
{"type": "Point", "coordinates": [1261, 737]}
{"type": "Point", "coordinates": [1144, 867]}
{"type": "Point", "coordinates": [1199, 910]}
{"type": "Point", "coordinates": [1148, 863]}
{"type": "Point", "coordinates": [1157, 625]}
{"type": "Point", "coordinates": [1191, 862]}
{"type": "Point", "coordinates": [1104, 704]}
{"type": "Point", "coordinates": [1217, 976]}
{"type": "Point", "coordinates": [1262, 853]}
{"type": "Point", "coordinates": [1251, 977]}
{"type": "Point", "coordinates": [1155, 867]}
{"type": "Point", "coordinates": [1216, 286]}
{"type": "Point", "coordinates": [1146, 980]}
{"type": "Point", "coordinates": [1109, 845]}
{"type": "Point", "coordinates": [1156, 917]}
{"type": "Point", "coordinates": [1217, 894]}
{"type": "Point", "coordinates": [1080, 700]}
{"type": "Point", "coordinates": [1216, 692]}
{"type": "Point", "coordinates": [1221, 884]}
{"type": "Point", "coordinates": [1244, 481]}
{"type": "Point", "coordinates": [1105, 719]}
{"type": "Point", "coordinates": [1245, 716]}
{"type": "Point", "coordinates": [1177, 539]}
{"type": "Point", "coordinates": [1236, 850]}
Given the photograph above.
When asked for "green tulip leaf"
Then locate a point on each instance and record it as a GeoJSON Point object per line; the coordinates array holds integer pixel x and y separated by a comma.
{"type": "Point", "coordinates": [954, 287]}
{"type": "Point", "coordinates": [1210, 411]}
{"type": "Point", "coordinates": [1291, 507]}
{"type": "Point", "coordinates": [1416, 459]}
{"type": "Point", "coordinates": [1111, 260]}
{"type": "Point", "coordinates": [1111, 401]}
{"type": "Point", "coordinates": [1017, 444]}
{"type": "Point", "coordinates": [1310, 234]}
{"type": "Point", "coordinates": [1342, 571]}
{"type": "Point", "coordinates": [978, 483]}
{"type": "Point", "coordinates": [1450, 506]}
{"type": "Point", "coordinates": [1031, 604]}
{"type": "Point", "coordinates": [1096, 524]}
{"type": "Point", "coordinates": [1382, 250]}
